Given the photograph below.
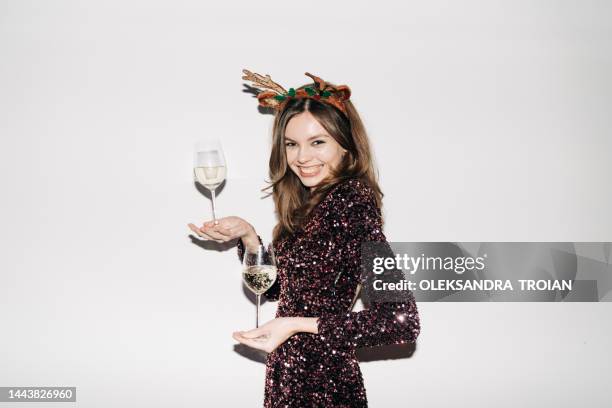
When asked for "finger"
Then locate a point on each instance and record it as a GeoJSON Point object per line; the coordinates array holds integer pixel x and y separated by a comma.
{"type": "Point", "coordinates": [250, 342]}
{"type": "Point", "coordinates": [218, 232]}
{"type": "Point", "coordinates": [228, 226]}
{"type": "Point", "coordinates": [211, 223]}
{"type": "Point", "coordinates": [196, 230]}
{"type": "Point", "coordinates": [240, 335]}
{"type": "Point", "coordinates": [255, 333]}
{"type": "Point", "coordinates": [203, 235]}
{"type": "Point", "coordinates": [222, 225]}
{"type": "Point", "coordinates": [225, 231]}
{"type": "Point", "coordinates": [214, 234]}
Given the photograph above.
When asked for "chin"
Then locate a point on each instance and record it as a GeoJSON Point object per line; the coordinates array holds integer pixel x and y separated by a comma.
{"type": "Point", "coordinates": [310, 183]}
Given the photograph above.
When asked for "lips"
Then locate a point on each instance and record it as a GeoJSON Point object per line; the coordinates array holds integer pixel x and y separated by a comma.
{"type": "Point", "coordinates": [310, 171]}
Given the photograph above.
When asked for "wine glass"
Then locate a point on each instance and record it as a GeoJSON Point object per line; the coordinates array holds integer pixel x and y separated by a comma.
{"type": "Point", "coordinates": [259, 272]}
{"type": "Point", "coordinates": [209, 167]}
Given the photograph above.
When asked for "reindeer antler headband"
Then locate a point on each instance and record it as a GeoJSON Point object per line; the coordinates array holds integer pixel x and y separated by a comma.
{"type": "Point", "coordinates": [275, 96]}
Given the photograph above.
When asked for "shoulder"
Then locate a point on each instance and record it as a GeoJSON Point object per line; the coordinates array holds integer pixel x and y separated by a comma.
{"type": "Point", "coordinates": [349, 193]}
{"type": "Point", "coordinates": [350, 209]}
{"type": "Point", "coordinates": [354, 188]}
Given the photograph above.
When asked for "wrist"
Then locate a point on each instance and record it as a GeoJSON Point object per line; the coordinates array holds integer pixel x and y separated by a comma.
{"type": "Point", "coordinates": [250, 239]}
{"type": "Point", "coordinates": [304, 324]}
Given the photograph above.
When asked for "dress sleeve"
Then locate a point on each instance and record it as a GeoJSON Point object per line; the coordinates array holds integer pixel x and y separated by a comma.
{"type": "Point", "coordinates": [274, 291]}
{"type": "Point", "coordinates": [384, 322]}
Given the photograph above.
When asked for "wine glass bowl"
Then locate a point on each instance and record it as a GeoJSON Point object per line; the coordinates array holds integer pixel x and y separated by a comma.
{"type": "Point", "coordinates": [259, 272]}
{"type": "Point", "coordinates": [209, 168]}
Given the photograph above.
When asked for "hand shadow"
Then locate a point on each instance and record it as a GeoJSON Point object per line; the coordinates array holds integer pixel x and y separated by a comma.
{"type": "Point", "coordinates": [251, 353]}
{"type": "Point", "coordinates": [211, 245]}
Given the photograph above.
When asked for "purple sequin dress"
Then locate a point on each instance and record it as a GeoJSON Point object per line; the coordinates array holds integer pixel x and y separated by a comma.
{"type": "Point", "coordinates": [318, 273]}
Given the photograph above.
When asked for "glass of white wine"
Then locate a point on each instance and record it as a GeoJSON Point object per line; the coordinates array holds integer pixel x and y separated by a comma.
{"type": "Point", "coordinates": [259, 272]}
{"type": "Point", "coordinates": [209, 167]}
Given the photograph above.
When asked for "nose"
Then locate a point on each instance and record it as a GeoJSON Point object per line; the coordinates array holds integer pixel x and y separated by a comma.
{"type": "Point", "coordinates": [304, 155]}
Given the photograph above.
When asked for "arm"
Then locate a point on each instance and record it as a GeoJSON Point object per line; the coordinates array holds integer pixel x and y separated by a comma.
{"type": "Point", "coordinates": [384, 322]}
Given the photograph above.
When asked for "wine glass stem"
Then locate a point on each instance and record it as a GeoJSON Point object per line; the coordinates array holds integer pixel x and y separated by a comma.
{"type": "Point", "coordinates": [257, 313]}
{"type": "Point", "coordinates": [212, 194]}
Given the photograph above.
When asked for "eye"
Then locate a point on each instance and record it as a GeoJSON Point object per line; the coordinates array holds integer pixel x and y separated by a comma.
{"type": "Point", "coordinates": [318, 141]}
{"type": "Point", "coordinates": [289, 144]}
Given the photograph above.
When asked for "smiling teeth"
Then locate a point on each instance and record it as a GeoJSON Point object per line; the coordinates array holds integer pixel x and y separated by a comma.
{"type": "Point", "coordinates": [313, 171]}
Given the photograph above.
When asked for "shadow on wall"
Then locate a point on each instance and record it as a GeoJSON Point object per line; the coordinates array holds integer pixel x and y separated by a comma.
{"type": "Point", "coordinates": [391, 352]}
{"type": "Point", "coordinates": [206, 192]}
{"type": "Point", "coordinates": [256, 91]}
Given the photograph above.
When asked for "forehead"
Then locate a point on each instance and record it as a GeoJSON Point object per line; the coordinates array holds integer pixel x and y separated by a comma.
{"type": "Point", "coordinates": [303, 126]}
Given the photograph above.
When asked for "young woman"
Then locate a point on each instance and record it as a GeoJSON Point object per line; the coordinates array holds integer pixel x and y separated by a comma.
{"type": "Point", "coordinates": [328, 203]}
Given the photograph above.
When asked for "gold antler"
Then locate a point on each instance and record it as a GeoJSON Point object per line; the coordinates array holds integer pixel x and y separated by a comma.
{"type": "Point", "coordinates": [263, 82]}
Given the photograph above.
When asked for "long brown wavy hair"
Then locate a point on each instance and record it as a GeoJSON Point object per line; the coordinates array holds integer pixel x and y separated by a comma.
{"type": "Point", "coordinates": [294, 201]}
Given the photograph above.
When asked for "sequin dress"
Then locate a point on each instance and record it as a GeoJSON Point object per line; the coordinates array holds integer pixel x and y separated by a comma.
{"type": "Point", "coordinates": [318, 274]}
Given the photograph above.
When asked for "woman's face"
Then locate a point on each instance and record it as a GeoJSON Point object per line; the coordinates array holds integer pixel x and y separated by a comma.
{"type": "Point", "coordinates": [311, 151]}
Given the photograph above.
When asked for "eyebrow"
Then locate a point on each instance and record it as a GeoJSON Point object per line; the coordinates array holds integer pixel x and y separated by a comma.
{"type": "Point", "coordinates": [310, 138]}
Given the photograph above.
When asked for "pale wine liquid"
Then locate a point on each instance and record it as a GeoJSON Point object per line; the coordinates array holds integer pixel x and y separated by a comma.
{"type": "Point", "coordinates": [259, 278]}
{"type": "Point", "coordinates": [210, 177]}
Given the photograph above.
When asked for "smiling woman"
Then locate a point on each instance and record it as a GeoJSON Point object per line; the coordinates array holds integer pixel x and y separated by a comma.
{"type": "Point", "coordinates": [328, 203]}
{"type": "Point", "coordinates": [315, 146]}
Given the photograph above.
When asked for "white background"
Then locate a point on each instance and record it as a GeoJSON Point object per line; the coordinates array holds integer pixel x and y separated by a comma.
{"type": "Point", "coordinates": [490, 121]}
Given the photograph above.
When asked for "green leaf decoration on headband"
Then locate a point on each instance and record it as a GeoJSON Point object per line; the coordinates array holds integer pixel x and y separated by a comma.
{"type": "Point", "coordinates": [289, 94]}
{"type": "Point", "coordinates": [310, 91]}
{"type": "Point", "coordinates": [325, 94]}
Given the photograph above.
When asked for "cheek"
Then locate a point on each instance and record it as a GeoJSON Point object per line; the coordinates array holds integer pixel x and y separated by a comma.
{"type": "Point", "coordinates": [332, 156]}
{"type": "Point", "coordinates": [327, 154]}
{"type": "Point", "coordinates": [290, 154]}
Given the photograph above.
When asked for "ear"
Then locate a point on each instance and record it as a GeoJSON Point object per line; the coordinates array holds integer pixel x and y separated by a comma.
{"type": "Point", "coordinates": [343, 92]}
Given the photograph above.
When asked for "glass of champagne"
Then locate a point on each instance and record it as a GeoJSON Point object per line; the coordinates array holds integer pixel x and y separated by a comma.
{"type": "Point", "coordinates": [209, 167]}
{"type": "Point", "coordinates": [259, 272]}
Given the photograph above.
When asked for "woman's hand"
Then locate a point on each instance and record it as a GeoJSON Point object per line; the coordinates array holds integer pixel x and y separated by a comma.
{"type": "Point", "coordinates": [226, 229]}
{"type": "Point", "coordinates": [275, 332]}
{"type": "Point", "coordinates": [269, 336]}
